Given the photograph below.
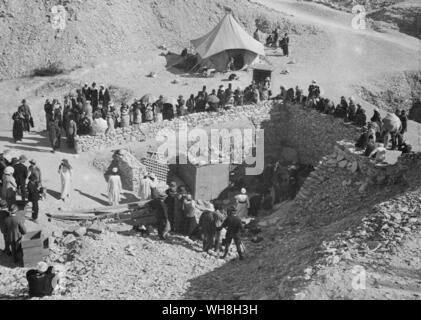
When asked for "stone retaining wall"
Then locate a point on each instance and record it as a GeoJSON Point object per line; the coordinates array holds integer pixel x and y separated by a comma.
{"type": "Point", "coordinates": [346, 157]}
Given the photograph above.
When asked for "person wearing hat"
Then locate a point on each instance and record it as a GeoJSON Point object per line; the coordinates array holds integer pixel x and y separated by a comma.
{"type": "Point", "coordinates": [181, 106]}
{"type": "Point", "coordinates": [9, 186]}
{"type": "Point", "coordinates": [34, 195]}
{"type": "Point", "coordinates": [170, 202]}
{"type": "Point", "coordinates": [41, 281]}
{"type": "Point", "coordinates": [145, 188]}
{"type": "Point", "coordinates": [86, 92]}
{"type": "Point", "coordinates": [114, 188]}
{"type": "Point", "coordinates": [18, 125]}
{"type": "Point", "coordinates": [243, 204]}
{"type": "Point", "coordinates": [161, 212]}
{"type": "Point", "coordinates": [26, 112]}
{"type": "Point", "coordinates": [313, 90]}
{"type": "Point", "coordinates": [66, 172]}
{"type": "Point", "coordinates": [235, 228]}
{"type": "Point", "coordinates": [104, 97]}
{"type": "Point", "coordinates": [191, 104]}
{"type": "Point", "coordinates": [15, 229]}
{"type": "Point", "coordinates": [20, 175]}
{"type": "Point", "coordinates": [4, 213]}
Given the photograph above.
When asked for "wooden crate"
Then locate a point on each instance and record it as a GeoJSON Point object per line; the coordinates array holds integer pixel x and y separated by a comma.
{"type": "Point", "coordinates": [34, 247]}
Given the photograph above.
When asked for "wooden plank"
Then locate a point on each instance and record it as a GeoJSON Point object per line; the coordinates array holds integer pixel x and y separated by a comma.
{"type": "Point", "coordinates": [105, 210]}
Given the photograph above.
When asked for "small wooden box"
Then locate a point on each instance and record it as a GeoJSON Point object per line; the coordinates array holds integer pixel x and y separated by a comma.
{"type": "Point", "coordinates": [34, 247]}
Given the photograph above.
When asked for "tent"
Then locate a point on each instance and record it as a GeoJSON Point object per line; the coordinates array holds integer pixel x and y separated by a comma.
{"type": "Point", "coordinates": [227, 40]}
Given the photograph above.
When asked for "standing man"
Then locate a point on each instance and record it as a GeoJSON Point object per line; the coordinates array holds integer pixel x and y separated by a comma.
{"type": "Point", "coordinates": [34, 170]}
{"type": "Point", "coordinates": [170, 202]}
{"type": "Point", "coordinates": [34, 196]}
{"type": "Point", "coordinates": [71, 132]}
{"type": "Point", "coordinates": [94, 96]}
{"type": "Point", "coordinates": [234, 228]}
{"type": "Point", "coordinates": [4, 213]}
{"type": "Point", "coordinates": [20, 175]}
{"type": "Point", "coordinates": [48, 108]}
{"type": "Point", "coordinates": [104, 97]}
{"type": "Point", "coordinates": [161, 212]}
{"type": "Point", "coordinates": [26, 111]}
{"type": "Point", "coordinates": [285, 45]}
{"type": "Point", "coordinates": [86, 92]}
{"type": "Point", "coordinates": [15, 229]}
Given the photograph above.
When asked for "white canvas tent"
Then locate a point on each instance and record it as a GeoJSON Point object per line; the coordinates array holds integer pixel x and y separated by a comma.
{"type": "Point", "coordinates": [228, 40]}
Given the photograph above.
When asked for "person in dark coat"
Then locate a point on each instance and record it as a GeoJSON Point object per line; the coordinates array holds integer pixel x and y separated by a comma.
{"type": "Point", "coordinates": [18, 125]}
{"type": "Point", "coordinates": [71, 132]}
{"type": "Point", "coordinates": [161, 212]}
{"type": "Point", "coordinates": [4, 213]}
{"type": "Point", "coordinates": [179, 221]}
{"type": "Point", "coordinates": [170, 202]}
{"type": "Point", "coordinates": [26, 112]}
{"type": "Point", "coordinates": [86, 92]}
{"type": "Point", "coordinates": [104, 97]}
{"type": "Point", "coordinates": [284, 44]}
{"type": "Point", "coordinates": [360, 117]}
{"type": "Point", "coordinates": [20, 175]}
{"type": "Point", "coordinates": [234, 228]}
{"type": "Point", "coordinates": [15, 229]}
{"type": "Point", "coordinates": [94, 93]}
{"type": "Point", "coordinates": [55, 133]}
{"type": "Point", "coordinates": [34, 196]}
{"type": "Point", "coordinates": [209, 223]}
{"type": "Point", "coordinates": [48, 109]}
{"type": "Point", "coordinates": [404, 120]}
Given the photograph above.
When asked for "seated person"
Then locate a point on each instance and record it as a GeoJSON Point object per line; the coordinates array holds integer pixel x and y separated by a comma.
{"type": "Point", "coordinates": [360, 118]}
{"type": "Point", "coordinates": [42, 281]}
{"type": "Point", "coordinates": [369, 147]}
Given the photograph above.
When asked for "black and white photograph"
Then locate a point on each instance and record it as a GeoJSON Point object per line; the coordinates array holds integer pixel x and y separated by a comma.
{"type": "Point", "coordinates": [211, 156]}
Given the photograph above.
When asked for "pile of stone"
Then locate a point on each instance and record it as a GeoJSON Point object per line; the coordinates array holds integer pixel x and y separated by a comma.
{"type": "Point", "coordinates": [381, 232]}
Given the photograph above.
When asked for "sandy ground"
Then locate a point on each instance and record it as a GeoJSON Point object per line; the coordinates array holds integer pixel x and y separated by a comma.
{"type": "Point", "coordinates": [338, 59]}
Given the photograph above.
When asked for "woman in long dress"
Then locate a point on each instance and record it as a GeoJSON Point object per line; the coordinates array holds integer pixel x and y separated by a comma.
{"type": "Point", "coordinates": [18, 126]}
{"type": "Point", "coordinates": [114, 188]}
{"type": "Point", "coordinates": [243, 204]}
{"type": "Point", "coordinates": [65, 171]}
{"type": "Point", "coordinates": [9, 186]}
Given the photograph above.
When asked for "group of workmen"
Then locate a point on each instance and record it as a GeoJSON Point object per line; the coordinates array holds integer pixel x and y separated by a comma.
{"type": "Point", "coordinates": [275, 40]}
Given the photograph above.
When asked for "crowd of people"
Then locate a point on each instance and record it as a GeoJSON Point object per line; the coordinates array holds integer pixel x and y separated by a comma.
{"type": "Point", "coordinates": [23, 182]}
{"type": "Point", "coordinates": [91, 110]}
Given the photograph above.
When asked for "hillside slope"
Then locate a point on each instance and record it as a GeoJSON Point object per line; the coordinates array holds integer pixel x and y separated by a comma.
{"type": "Point", "coordinates": [98, 28]}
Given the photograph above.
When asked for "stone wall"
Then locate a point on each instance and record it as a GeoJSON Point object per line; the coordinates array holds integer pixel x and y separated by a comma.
{"type": "Point", "coordinates": [292, 132]}
{"type": "Point", "coordinates": [310, 133]}
{"type": "Point", "coordinates": [361, 169]}
{"type": "Point", "coordinates": [131, 170]}
{"type": "Point", "coordinates": [148, 131]}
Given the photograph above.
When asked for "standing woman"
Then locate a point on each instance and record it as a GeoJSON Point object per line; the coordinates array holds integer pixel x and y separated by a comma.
{"type": "Point", "coordinates": [114, 188]}
{"type": "Point", "coordinates": [243, 204]}
{"type": "Point", "coordinates": [18, 125]}
{"type": "Point", "coordinates": [65, 171]}
{"type": "Point", "coordinates": [9, 187]}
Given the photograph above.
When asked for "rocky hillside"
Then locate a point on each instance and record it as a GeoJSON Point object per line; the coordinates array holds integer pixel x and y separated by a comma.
{"type": "Point", "coordinates": [402, 15]}
{"type": "Point", "coordinates": [96, 28]}
{"type": "Point", "coordinates": [393, 91]}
